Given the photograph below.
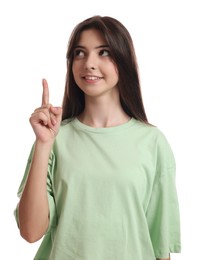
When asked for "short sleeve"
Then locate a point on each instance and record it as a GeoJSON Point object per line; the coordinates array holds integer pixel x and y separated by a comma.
{"type": "Point", "coordinates": [163, 211]}
{"type": "Point", "coordinates": [50, 193]}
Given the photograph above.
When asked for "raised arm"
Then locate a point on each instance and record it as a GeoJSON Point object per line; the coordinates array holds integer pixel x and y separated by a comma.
{"type": "Point", "coordinates": [33, 206]}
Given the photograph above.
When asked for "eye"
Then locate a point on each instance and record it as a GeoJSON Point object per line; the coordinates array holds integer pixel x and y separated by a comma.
{"type": "Point", "coordinates": [104, 52]}
{"type": "Point", "coordinates": [79, 53]}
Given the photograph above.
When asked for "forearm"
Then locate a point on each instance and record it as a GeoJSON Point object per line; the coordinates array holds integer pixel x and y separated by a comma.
{"type": "Point", "coordinates": [33, 205]}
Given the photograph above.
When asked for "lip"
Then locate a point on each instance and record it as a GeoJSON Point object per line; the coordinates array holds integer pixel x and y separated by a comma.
{"type": "Point", "coordinates": [91, 77]}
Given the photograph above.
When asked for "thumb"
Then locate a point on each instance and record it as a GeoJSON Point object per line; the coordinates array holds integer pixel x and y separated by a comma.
{"type": "Point", "coordinates": [57, 111]}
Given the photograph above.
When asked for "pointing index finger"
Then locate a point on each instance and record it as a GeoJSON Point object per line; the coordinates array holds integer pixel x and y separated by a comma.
{"type": "Point", "coordinates": [45, 95]}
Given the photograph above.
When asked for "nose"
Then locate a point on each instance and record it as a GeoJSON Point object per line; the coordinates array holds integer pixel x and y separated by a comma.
{"type": "Point", "coordinates": [90, 62]}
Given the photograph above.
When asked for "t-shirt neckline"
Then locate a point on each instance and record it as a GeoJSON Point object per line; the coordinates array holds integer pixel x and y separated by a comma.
{"type": "Point", "coordinates": [78, 124]}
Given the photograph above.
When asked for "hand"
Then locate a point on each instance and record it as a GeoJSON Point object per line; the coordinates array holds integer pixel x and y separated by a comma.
{"type": "Point", "coordinates": [46, 119]}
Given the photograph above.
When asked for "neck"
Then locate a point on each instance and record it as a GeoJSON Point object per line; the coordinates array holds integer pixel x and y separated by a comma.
{"type": "Point", "coordinates": [103, 112]}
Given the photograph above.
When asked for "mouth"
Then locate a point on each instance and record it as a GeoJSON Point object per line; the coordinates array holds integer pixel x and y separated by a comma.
{"type": "Point", "coordinates": [92, 78]}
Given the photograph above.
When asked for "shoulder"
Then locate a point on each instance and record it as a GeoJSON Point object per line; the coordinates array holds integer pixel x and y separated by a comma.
{"type": "Point", "coordinates": [165, 154]}
{"type": "Point", "coordinates": [151, 132]}
{"type": "Point", "coordinates": [65, 125]}
{"type": "Point", "coordinates": [65, 133]}
{"type": "Point", "coordinates": [157, 141]}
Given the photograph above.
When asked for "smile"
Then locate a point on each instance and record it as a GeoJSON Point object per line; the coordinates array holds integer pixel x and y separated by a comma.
{"type": "Point", "coordinates": [92, 77]}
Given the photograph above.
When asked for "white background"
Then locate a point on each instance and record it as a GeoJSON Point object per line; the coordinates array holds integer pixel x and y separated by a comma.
{"type": "Point", "coordinates": [33, 40]}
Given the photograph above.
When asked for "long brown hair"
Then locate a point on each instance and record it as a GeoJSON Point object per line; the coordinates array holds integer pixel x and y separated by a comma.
{"type": "Point", "coordinates": [122, 53]}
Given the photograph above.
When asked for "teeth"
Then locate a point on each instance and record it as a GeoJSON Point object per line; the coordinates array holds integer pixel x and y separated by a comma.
{"type": "Point", "coordinates": [92, 77]}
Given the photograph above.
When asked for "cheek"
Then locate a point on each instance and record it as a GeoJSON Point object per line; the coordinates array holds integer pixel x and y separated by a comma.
{"type": "Point", "coordinates": [115, 73]}
{"type": "Point", "coordinates": [74, 69]}
{"type": "Point", "coordinates": [76, 72]}
{"type": "Point", "coordinates": [113, 69]}
{"type": "Point", "coordinates": [116, 70]}
{"type": "Point", "coordinates": [76, 65]}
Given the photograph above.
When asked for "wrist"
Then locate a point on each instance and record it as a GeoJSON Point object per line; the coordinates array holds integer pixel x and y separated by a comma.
{"type": "Point", "coordinates": [47, 145]}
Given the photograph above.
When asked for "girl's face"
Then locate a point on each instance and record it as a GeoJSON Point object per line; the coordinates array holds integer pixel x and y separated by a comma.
{"type": "Point", "coordinates": [93, 69]}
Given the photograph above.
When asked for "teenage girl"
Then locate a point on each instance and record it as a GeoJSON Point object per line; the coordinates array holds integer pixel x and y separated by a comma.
{"type": "Point", "coordinates": [100, 180]}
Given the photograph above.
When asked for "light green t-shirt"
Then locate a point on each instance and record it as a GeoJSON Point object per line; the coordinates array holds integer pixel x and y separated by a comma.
{"type": "Point", "coordinates": [112, 194]}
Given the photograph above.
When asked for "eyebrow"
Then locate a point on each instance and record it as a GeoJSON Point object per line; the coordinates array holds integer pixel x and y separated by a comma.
{"type": "Point", "coordinates": [98, 47]}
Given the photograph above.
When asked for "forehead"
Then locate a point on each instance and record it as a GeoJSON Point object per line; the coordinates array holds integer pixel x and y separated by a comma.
{"type": "Point", "coordinates": [91, 36]}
